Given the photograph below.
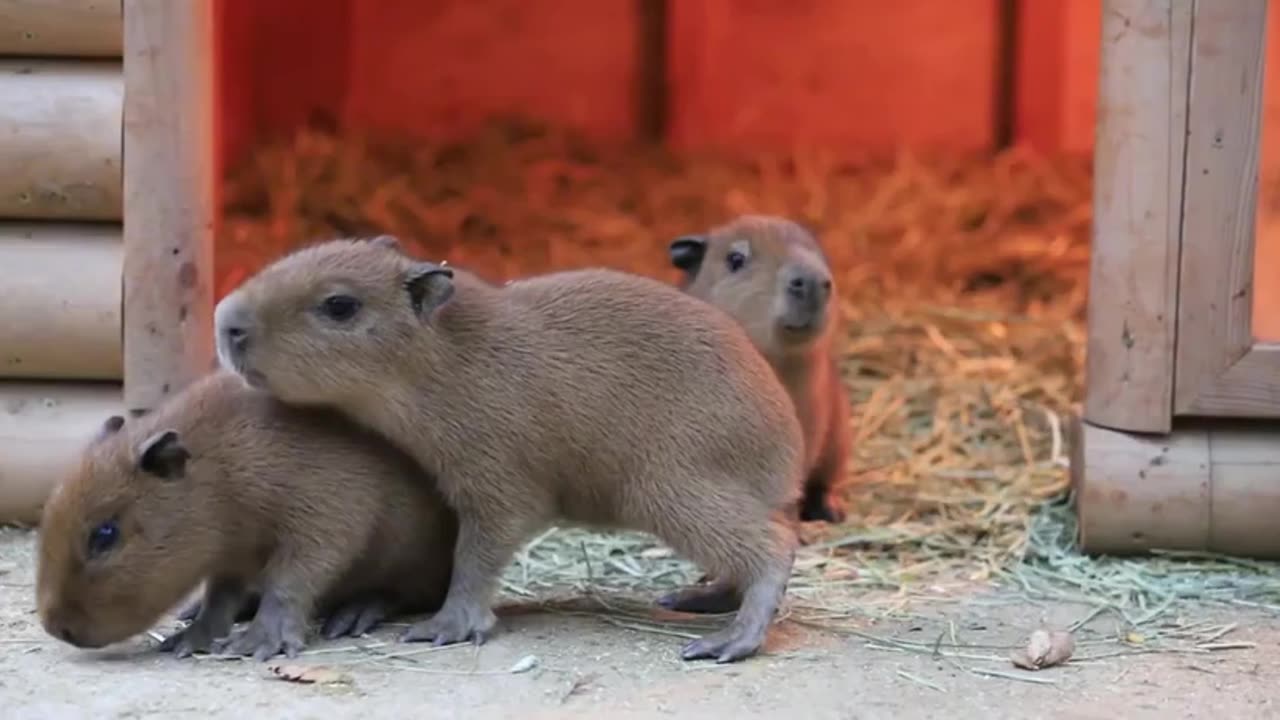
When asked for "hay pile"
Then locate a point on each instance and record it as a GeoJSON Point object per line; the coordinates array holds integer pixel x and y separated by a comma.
{"type": "Point", "coordinates": [963, 284]}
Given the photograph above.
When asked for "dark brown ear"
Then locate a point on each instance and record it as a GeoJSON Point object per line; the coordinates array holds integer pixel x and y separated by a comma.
{"type": "Point", "coordinates": [390, 242]}
{"type": "Point", "coordinates": [429, 286]}
{"type": "Point", "coordinates": [163, 455]}
{"type": "Point", "coordinates": [687, 252]}
{"type": "Point", "coordinates": [110, 427]}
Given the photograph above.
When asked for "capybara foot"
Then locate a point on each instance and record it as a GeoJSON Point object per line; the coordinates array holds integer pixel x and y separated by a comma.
{"type": "Point", "coordinates": [716, 597]}
{"type": "Point", "coordinates": [273, 631]}
{"type": "Point", "coordinates": [728, 645]}
{"type": "Point", "coordinates": [195, 638]}
{"type": "Point", "coordinates": [355, 619]}
{"type": "Point", "coordinates": [822, 506]}
{"type": "Point", "coordinates": [453, 626]}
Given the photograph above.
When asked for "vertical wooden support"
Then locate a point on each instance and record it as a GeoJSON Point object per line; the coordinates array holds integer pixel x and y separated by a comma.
{"type": "Point", "coordinates": [168, 197]}
{"type": "Point", "coordinates": [1138, 181]}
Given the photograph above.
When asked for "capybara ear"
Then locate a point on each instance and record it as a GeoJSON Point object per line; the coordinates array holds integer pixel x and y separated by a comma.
{"type": "Point", "coordinates": [163, 455]}
{"type": "Point", "coordinates": [687, 252]}
{"type": "Point", "coordinates": [390, 242]}
{"type": "Point", "coordinates": [429, 286]}
{"type": "Point", "coordinates": [110, 427]}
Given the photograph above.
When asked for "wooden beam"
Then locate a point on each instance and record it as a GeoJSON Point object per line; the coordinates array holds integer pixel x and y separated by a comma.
{"type": "Point", "coordinates": [43, 427]}
{"type": "Point", "coordinates": [1205, 487]}
{"type": "Point", "coordinates": [60, 317]}
{"type": "Point", "coordinates": [60, 139]}
{"type": "Point", "coordinates": [1138, 178]}
{"type": "Point", "coordinates": [60, 28]}
{"type": "Point", "coordinates": [168, 197]}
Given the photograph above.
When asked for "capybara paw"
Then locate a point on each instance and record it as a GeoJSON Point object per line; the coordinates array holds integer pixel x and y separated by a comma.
{"type": "Point", "coordinates": [714, 598]}
{"type": "Point", "coordinates": [728, 645]}
{"type": "Point", "coordinates": [190, 612]}
{"type": "Point", "coordinates": [188, 641]}
{"type": "Point", "coordinates": [446, 628]}
{"type": "Point", "coordinates": [822, 507]}
{"type": "Point", "coordinates": [263, 641]}
{"type": "Point", "coordinates": [354, 619]}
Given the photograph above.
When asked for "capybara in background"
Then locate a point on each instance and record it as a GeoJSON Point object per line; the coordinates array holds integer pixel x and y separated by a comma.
{"type": "Point", "coordinates": [772, 276]}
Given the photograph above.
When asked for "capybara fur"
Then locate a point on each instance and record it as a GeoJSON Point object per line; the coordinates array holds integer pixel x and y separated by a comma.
{"type": "Point", "coordinates": [773, 277]}
{"type": "Point", "coordinates": [589, 397]}
{"type": "Point", "coordinates": [224, 485]}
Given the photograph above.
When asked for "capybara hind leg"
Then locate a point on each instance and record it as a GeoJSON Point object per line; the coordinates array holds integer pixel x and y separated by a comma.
{"type": "Point", "coordinates": [749, 548]}
{"type": "Point", "coordinates": [484, 548]}
{"type": "Point", "coordinates": [712, 598]}
{"type": "Point", "coordinates": [764, 586]}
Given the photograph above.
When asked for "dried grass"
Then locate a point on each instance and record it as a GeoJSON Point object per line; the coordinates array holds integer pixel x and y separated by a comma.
{"type": "Point", "coordinates": [964, 290]}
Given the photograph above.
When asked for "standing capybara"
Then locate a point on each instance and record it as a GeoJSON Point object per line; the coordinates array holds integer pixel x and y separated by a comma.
{"type": "Point", "coordinates": [225, 485]}
{"type": "Point", "coordinates": [593, 397]}
{"type": "Point", "coordinates": [773, 277]}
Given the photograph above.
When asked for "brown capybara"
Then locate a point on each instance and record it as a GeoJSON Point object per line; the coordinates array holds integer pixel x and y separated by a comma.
{"type": "Point", "coordinates": [590, 397]}
{"type": "Point", "coordinates": [772, 275]}
{"type": "Point", "coordinates": [225, 485]}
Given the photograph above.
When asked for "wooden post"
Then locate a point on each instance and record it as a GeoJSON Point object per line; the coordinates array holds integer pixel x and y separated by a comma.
{"type": "Point", "coordinates": [169, 203]}
{"type": "Point", "coordinates": [1138, 180]}
{"type": "Point", "coordinates": [1207, 486]}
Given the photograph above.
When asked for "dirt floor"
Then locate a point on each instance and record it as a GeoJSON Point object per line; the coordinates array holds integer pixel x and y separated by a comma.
{"type": "Point", "coordinates": [579, 666]}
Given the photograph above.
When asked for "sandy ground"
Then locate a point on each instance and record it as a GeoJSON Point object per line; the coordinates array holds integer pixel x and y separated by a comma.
{"type": "Point", "coordinates": [587, 668]}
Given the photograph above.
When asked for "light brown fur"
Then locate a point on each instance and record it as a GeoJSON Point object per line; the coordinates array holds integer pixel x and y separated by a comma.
{"type": "Point", "coordinates": [302, 506]}
{"type": "Point", "coordinates": [592, 397]}
{"type": "Point", "coordinates": [772, 276]}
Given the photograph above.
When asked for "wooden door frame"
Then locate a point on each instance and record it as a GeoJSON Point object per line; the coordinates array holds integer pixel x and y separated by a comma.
{"type": "Point", "coordinates": [1175, 199]}
{"type": "Point", "coordinates": [1222, 371]}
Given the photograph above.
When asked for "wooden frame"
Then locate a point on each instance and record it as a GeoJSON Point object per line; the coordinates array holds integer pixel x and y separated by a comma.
{"type": "Point", "coordinates": [1138, 191]}
{"type": "Point", "coordinates": [1221, 370]}
{"type": "Point", "coordinates": [1175, 194]}
{"type": "Point", "coordinates": [169, 181]}
{"type": "Point", "coordinates": [1162, 459]}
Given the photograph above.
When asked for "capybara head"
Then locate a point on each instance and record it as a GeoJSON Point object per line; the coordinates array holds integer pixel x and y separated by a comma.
{"type": "Point", "coordinates": [767, 272]}
{"type": "Point", "coordinates": [307, 327]}
{"type": "Point", "coordinates": [122, 539]}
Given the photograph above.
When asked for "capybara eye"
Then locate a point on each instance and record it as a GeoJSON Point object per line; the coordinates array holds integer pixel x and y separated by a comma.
{"type": "Point", "coordinates": [340, 307]}
{"type": "Point", "coordinates": [103, 537]}
{"type": "Point", "coordinates": [735, 260]}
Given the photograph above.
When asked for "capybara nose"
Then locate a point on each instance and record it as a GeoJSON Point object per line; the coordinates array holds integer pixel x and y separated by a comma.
{"type": "Point", "coordinates": [236, 337]}
{"type": "Point", "coordinates": [806, 286]}
{"type": "Point", "coordinates": [231, 324]}
{"type": "Point", "coordinates": [800, 287]}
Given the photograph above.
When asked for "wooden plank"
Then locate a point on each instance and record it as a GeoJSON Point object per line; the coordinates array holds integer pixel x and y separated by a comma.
{"type": "Point", "coordinates": [60, 139]}
{"type": "Point", "coordinates": [1138, 177]}
{"type": "Point", "coordinates": [851, 76]}
{"type": "Point", "coordinates": [442, 68]}
{"type": "Point", "coordinates": [1207, 486]}
{"type": "Point", "coordinates": [61, 28]}
{"type": "Point", "coordinates": [52, 325]}
{"type": "Point", "coordinates": [42, 428]}
{"type": "Point", "coordinates": [168, 197]}
{"type": "Point", "coordinates": [1220, 371]}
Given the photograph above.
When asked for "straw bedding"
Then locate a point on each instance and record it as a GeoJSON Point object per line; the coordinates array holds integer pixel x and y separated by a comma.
{"type": "Point", "coordinates": [963, 284]}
